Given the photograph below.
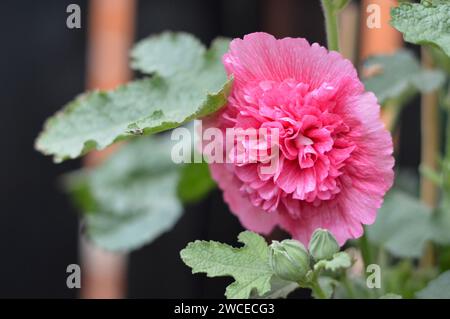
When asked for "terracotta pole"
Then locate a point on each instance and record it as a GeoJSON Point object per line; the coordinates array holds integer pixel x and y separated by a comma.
{"type": "Point", "coordinates": [381, 39]}
{"type": "Point", "coordinates": [377, 36]}
{"type": "Point", "coordinates": [110, 36]}
{"type": "Point", "coordinates": [348, 31]}
{"type": "Point", "coordinates": [430, 131]}
{"type": "Point", "coordinates": [430, 136]}
{"type": "Point", "coordinates": [384, 39]}
{"type": "Point", "coordinates": [388, 40]}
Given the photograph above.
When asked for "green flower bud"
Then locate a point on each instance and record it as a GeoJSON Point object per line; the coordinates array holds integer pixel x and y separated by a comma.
{"type": "Point", "coordinates": [323, 245]}
{"type": "Point", "coordinates": [289, 260]}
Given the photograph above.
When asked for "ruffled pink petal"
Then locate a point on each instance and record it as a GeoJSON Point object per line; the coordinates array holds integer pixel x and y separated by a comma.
{"type": "Point", "coordinates": [251, 217]}
{"type": "Point", "coordinates": [336, 160]}
{"type": "Point", "coordinates": [261, 56]}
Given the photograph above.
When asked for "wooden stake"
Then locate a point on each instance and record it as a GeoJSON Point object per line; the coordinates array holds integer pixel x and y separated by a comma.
{"type": "Point", "coordinates": [110, 36]}
{"type": "Point", "coordinates": [430, 151]}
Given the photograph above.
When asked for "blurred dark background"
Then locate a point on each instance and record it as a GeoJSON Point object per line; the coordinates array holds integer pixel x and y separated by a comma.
{"type": "Point", "coordinates": [42, 67]}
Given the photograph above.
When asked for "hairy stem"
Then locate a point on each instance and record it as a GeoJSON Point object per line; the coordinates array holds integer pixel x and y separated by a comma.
{"type": "Point", "coordinates": [331, 25]}
{"type": "Point", "coordinates": [366, 250]}
{"type": "Point", "coordinates": [317, 290]}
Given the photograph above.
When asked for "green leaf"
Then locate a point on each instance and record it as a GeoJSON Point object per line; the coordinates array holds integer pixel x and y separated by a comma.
{"type": "Point", "coordinates": [391, 296]}
{"type": "Point", "coordinates": [405, 279]}
{"type": "Point", "coordinates": [424, 23]}
{"type": "Point", "coordinates": [402, 225]}
{"type": "Point", "coordinates": [340, 260]}
{"type": "Point", "coordinates": [441, 59]}
{"type": "Point", "coordinates": [435, 2]}
{"type": "Point", "coordinates": [175, 94]}
{"type": "Point", "coordinates": [444, 258]}
{"type": "Point", "coordinates": [399, 76]}
{"type": "Point", "coordinates": [437, 288]}
{"type": "Point", "coordinates": [327, 285]}
{"type": "Point", "coordinates": [168, 54]}
{"type": "Point", "coordinates": [440, 225]}
{"type": "Point", "coordinates": [131, 197]}
{"type": "Point", "coordinates": [76, 183]}
{"type": "Point", "coordinates": [431, 174]}
{"type": "Point", "coordinates": [279, 288]}
{"type": "Point", "coordinates": [195, 182]}
{"type": "Point", "coordinates": [248, 265]}
{"type": "Point", "coordinates": [356, 288]}
{"type": "Point", "coordinates": [408, 181]}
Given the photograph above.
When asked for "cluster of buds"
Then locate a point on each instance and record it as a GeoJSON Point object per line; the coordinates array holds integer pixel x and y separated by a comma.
{"type": "Point", "coordinates": [291, 261]}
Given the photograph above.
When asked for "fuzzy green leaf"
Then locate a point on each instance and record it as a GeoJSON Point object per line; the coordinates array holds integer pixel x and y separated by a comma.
{"type": "Point", "coordinates": [180, 52]}
{"type": "Point", "coordinates": [131, 199]}
{"type": "Point", "coordinates": [391, 296]}
{"type": "Point", "coordinates": [402, 225]}
{"type": "Point", "coordinates": [399, 76]}
{"type": "Point", "coordinates": [328, 286]}
{"type": "Point", "coordinates": [437, 288]}
{"type": "Point", "coordinates": [440, 225]}
{"type": "Point", "coordinates": [340, 260]}
{"type": "Point", "coordinates": [424, 23]}
{"type": "Point", "coordinates": [248, 265]}
{"type": "Point", "coordinates": [173, 95]}
{"type": "Point", "coordinates": [279, 288]}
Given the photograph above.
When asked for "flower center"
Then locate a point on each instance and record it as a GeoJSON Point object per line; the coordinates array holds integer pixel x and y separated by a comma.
{"type": "Point", "coordinates": [312, 142]}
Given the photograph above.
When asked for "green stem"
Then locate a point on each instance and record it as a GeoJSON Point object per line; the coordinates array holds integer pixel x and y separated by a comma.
{"type": "Point", "coordinates": [382, 261]}
{"type": "Point", "coordinates": [317, 290]}
{"type": "Point", "coordinates": [348, 286]}
{"type": "Point", "coordinates": [331, 25]}
{"type": "Point", "coordinates": [366, 250]}
{"type": "Point", "coordinates": [390, 115]}
{"type": "Point", "coordinates": [446, 168]}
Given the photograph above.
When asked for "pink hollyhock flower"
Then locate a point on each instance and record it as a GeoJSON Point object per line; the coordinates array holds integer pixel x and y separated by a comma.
{"type": "Point", "coordinates": [335, 156]}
